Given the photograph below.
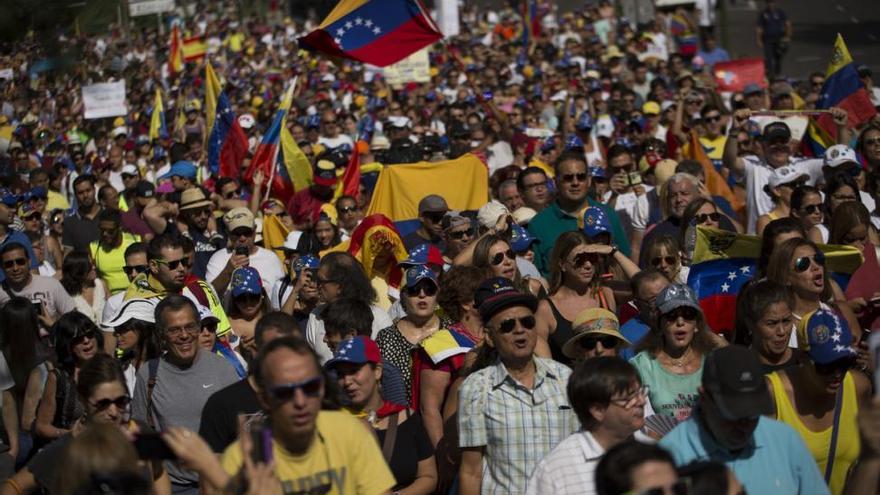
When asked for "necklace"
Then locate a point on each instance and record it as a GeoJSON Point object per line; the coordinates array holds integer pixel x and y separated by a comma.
{"type": "Point", "coordinates": [680, 362]}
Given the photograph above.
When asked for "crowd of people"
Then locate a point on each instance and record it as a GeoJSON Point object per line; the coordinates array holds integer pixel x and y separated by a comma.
{"type": "Point", "coordinates": [158, 337]}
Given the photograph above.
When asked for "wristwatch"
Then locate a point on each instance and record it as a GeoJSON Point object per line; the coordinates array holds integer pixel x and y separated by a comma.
{"type": "Point", "coordinates": [613, 250]}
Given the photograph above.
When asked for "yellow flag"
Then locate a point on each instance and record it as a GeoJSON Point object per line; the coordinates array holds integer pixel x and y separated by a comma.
{"type": "Point", "coordinates": [274, 234]}
{"type": "Point", "coordinates": [212, 93]}
{"type": "Point", "coordinates": [298, 166]}
{"type": "Point", "coordinates": [157, 120]}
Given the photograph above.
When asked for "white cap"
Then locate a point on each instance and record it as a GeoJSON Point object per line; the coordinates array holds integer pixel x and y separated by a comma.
{"type": "Point", "coordinates": [666, 105]}
{"type": "Point", "coordinates": [119, 131]}
{"type": "Point", "coordinates": [400, 122]}
{"type": "Point", "coordinates": [489, 213]}
{"type": "Point", "coordinates": [246, 120]}
{"type": "Point", "coordinates": [292, 240]}
{"type": "Point", "coordinates": [134, 309]}
{"type": "Point", "coordinates": [130, 169]}
{"type": "Point", "coordinates": [839, 154]}
{"type": "Point", "coordinates": [524, 215]}
{"type": "Point", "coordinates": [380, 143]}
{"type": "Point", "coordinates": [785, 175]}
{"type": "Point", "coordinates": [205, 314]}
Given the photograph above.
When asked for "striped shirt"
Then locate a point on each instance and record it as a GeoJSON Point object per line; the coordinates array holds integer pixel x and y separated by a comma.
{"type": "Point", "coordinates": [569, 468]}
{"type": "Point", "coordinates": [516, 425]}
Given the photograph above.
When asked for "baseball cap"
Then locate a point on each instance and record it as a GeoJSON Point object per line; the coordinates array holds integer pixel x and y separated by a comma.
{"type": "Point", "coordinates": [592, 321]}
{"type": "Point", "coordinates": [840, 154]}
{"type": "Point", "coordinates": [134, 309]}
{"type": "Point", "coordinates": [144, 189]}
{"type": "Point", "coordinates": [399, 122]}
{"type": "Point", "coordinates": [751, 88]}
{"type": "Point", "coordinates": [417, 273]}
{"type": "Point", "coordinates": [825, 336]}
{"type": "Point", "coordinates": [246, 280]}
{"type": "Point", "coordinates": [453, 219]}
{"type": "Point", "coordinates": [596, 222]}
{"type": "Point", "coordinates": [206, 315]}
{"type": "Point", "coordinates": [777, 130]}
{"type": "Point", "coordinates": [520, 239]}
{"type": "Point", "coordinates": [119, 131]}
{"type": "Point", "coordinates": [675, 296]}
{"type": "Point", "coordinates": [785, 175]}
{"type": "Point", "coordinates": [193, 198]}
{"type": "Point", "coordinates": [651, 108]}
{"type": "Point", "coordinates": [325, 173]}
{"type": "Point", "coordinates": [433, 203]}
{"type": "Point", "coordinates": [497, 293]}
{"type": "Point", "coordinates": [489, 213]}
{"type": "Point", "coordinates": [8, 198]}
{"type": "Point", "coordinates": [183, 168]}
{"type": "Point", "coordinates": [306, 262]}
{"type": "Point", "coordinates": [130, 170]}
{"type": "Point", "coordinates": [246, 121]}
{"type": "Point", "coordinates": [585, 122]}
{"type": "Point", "coordinates": [423, 254]}
{"type": "Point", "coordinates": [573, 142]}
{"type": "Point", "coordinates": [237, 218]}
{"type": "Point", "coordinates": [733, 376]}
{"type": "Point", "coordinates": [597, 172]}
{"type": "Point", "coordinates": [356, 350]}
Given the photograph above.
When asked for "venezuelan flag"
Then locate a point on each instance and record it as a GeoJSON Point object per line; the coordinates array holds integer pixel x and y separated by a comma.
{"type": "Point", "coordinates": [378, 32]}
{"type": "Point", "coordinates": [157, 119]}
{"type": "Point", "coordinates": [227, 143]}
{"type": "Point", "coordinates": [175, 51]}
{"type": "Point", "coordinates": [266, 155]}
{"type": "Point", "coordinates": [842, 89]}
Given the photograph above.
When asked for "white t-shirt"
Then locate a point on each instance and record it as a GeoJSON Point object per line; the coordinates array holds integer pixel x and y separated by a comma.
{"type": "Point", "coordinates": [757, 176]}
{"type": "Point", "coordinates": [263, 260]}
{"type": "Point", "coordinates": [315, 330]}
{"type": "Point", "coordinates": [633, 210]}
{"type": "Point", "coordinates": [336, 142]}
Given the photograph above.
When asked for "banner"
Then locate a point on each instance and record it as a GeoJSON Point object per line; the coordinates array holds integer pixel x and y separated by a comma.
{"type": "Point", "coordinates": [147, 7]}
{"type": "Point", "coordinates": [447, 17]}
{"type": "Point", "coordinates": [415, 68]}
{"type": "Point", "coordinates": [735, 74]}
{"type": "Point", "coordinates": [104, 100]}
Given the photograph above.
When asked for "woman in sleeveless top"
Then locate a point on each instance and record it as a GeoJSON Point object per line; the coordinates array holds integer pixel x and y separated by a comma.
{"type": "Point", "coordinates": [575, 285]}
{"type": "Point", "coordinates": [782, 183]}
{"type": "Point", "coordinates": [821, 398]}
{"type": "Point", "coordinates": [765, 324]}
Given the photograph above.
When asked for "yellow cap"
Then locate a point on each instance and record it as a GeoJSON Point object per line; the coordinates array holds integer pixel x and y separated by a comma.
{"type": "Point", "coordinates": [651, 108]}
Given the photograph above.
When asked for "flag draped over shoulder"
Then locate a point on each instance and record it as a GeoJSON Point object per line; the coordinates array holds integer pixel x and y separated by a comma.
{"type": "Point", "coordinates": [227, 143]}
{"type": "Point", "coordinates": [266, 155]}
{"type": "Point", "coordinates": [715, 183]}
{"type": "Point", "coordinates": [157, 119]}
{"type": "Point", "coordinates": [378, 32]}
{"type": "Point", "coordinates": [175, 51]}
{"type": "Point", "coordinates": [844, 89]}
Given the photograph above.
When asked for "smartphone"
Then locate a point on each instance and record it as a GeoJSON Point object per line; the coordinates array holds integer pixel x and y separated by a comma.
{"type": "Point", "coordinates": [261, 438]}
{"type": "Point", "coordinates": [241, 250]}
{"type": "Point", "coordinates": [151, 446]}
{"type": "Point", "coordinates": [38, 307]}
{"type": "Point", "coordinates": [635, 178]}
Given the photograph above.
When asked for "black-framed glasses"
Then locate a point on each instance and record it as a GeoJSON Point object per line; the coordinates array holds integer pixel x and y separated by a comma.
{"type": "Point", "coordinates": [33, 217]}
{"type": "Point", "coordinates": [803, 263]}
{"type": "Point", "coordinates": [284, 393]}
{"type": "Point", "coordinates": [429, 288]}
{"type": "Point", "coordinates": [172, 265]}
{"type": "Point", "coordinates": [811, 209]}
{"type": "Point", "coordinates": [508, 325]}
{"type": "Point", "coordinates": [460, 234]}
{"type": "Point", "coordinates": [705, 217]}
{"type": "Point", "coordinates": [132, 269]}
{"type": "Point", "coordinates": [122, 402]}
{"type": "Point", "coordinates": [590, 343]}
{"type": "Point", "coordinates": [669, 260]}
{"type": "Point", "coordinates": [572, 177]}
{"type": "Point", "coordinates": [687, 313]}
{"type": "Point", "coordinates": [582, 258]}
{"type": "Point", "coordinates": [499, 257]}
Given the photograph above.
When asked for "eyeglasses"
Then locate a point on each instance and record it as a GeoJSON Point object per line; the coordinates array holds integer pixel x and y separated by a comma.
{"type": "Point", "coordinates": [232, 194]}
{"type": "Point", "coordinates": [669, 260]}
{"type": "Point", "coordinates": [810, 209]}
{"type": "Point", "coordinates": [248, 298]}
{"type": "Point", "coordinates": [429, 288]}
{"type": "Point", "coordinates": [190, 328]}
{"type": "Point", "coordinates": [499, 257]}
{"type": "Point", "coordinates": [573, 177]}
{"type": "Point", "coordinates": [131, 269]}
{"type": "Point", "coordinates": [841, 365]}
{"type": "Point", "coordinates": [460, 234]}
{"type": "Point", "coordinates": [347, 209]}
{"type": "Point", "coordinates": [624, 168]}
{"type": "Point", "coordinates": [872, 142]}
{"type": "Point", "coordinates": [172, 265]}
{"type": "Point", "coordinates": [279, 394]}
{"type": "Point", "coordinates": [803, 263]}
{"type": "Point", "coordinates": [705, 217]}
{"type": "Point", "coordinates": [324, 281]}
{"type": "Point", "coordinates": [590, 343]}
{"type": "Point", "coordinates": [684, 312]}
{"type": "Point", "coordinates": [630, 400]}
{"type": "Point", "coordinates": [82, 338]}
{"type": "Point", "coordinates": [35, 217]}
{"type": "Point", "coordinates": [17, 261]}
{"type": "Point", "coordinates": [120, 402]}
{"type": "Point", "coordinates": [713, 119]}
{"type": "Point", "coordinates": [583, 258]}
{"type": "Point", "coordinates": [507, 326]}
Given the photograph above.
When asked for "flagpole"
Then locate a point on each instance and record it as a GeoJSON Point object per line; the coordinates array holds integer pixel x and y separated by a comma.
{"type": "Point", "coordinates": [278, 147]}
{"type": "Point", "coordinates": [789, 112]}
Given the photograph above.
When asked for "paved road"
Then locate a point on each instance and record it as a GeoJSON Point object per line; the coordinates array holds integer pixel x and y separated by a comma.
{"type": "Point", "coordinates": [815, 24]}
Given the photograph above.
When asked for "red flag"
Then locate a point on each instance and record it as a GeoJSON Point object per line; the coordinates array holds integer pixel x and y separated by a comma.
{"type": "Point", "coordinates": [175, 52]}
{"type": "Point", "coordinates": [351, 179]}
{"type": "Point", "coordinates": [735, 74]}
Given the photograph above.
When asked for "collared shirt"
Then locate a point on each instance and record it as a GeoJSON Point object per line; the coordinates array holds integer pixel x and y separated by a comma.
{"type": "Point", "coordinates": [776, 461]}
{"type": "Point", "coordinates": [516, 425]}
{"type": "Point", "coordinates": [570, 468]}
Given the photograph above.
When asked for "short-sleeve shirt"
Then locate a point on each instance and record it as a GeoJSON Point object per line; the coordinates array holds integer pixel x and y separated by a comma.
{"type": "Point", "coordinates": [758, 174]}
{"type": "Point", "coordinates": [110, 263]}
{"type": "Point", "coordinates": [80, 231]}
{"type": "Point", "coordinates": [45, 290]}
{"type": "Point", "coordinates": [569, 469]}
{"type": "Point", "coordinates": [772, 23]}
{"type": "Point", "coordinates": [517, 426]}
{"type": "Point", "coordinates": [344, 456]}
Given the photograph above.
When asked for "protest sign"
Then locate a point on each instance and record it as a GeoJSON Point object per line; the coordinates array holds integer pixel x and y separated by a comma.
{"type": "Point", "coordinates": [414, 68]}
{"type": "Point", "coordinates": [104, 100]}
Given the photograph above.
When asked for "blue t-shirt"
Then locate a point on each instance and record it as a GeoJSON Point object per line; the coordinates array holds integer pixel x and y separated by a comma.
{"type": "Point", "coordinates": [22, 239]}
{"type": "Point", "coordinates": [777, 461]}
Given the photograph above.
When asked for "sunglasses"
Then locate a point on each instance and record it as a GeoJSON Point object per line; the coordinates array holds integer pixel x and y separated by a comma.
{"type": "Point", "coordinates": [241, 233]}
{"type": "Point", "coordinates": [430, 289]}
{"type": "Point", "coordinates": [684, 312]}
{"type": "Point", "coordinates": [232, 194]}
{"type": "Point", "coordinates": [850, 239]}
{"type": "Point", "coordinates": [705, 217]}
{"type": "Point", "coordinates": [803, 263]}
{"type": "Point", "coordinates": [284, 393]}
{"type": "Point", "coordinates": [172, 265]}
{"type": "Point", "coordinates": [572, 177]}
{"type": "Point", "coordinates": [590, 343]}
{"type": "Point", "coordinates": [460, 234]}
{"type": "Point", "coordinates": [583, 258]}
{"type": "Point", "coordinates": [434, 217]}
{"type": "Point", "coordinates": [669, 260]}
{"type": "Point", "coordinates": [210, 327]}
{"type": "Point", "coordinates": [31, 218]}
{"type": "Point", "coordinates": [507, 326]}
{"type": "Point", "coordinates": [16, 261]}
{"type": "Point", "coordinates": [499, 257]}
{"type": "Point", "coordinates": [841, 365]}
{"type": "Point", "coordinates": [80, 339]}
{"type": "Point", "coordinates": [713, 119]}
{"type": "Point", "coordinates": [347, 209]}
{"type": "Point", "coordinates": [120, 402]}
{"type": "Point", "coordinates": [810, 209]}
{"type": "Point", "coordinates": [129, 270]}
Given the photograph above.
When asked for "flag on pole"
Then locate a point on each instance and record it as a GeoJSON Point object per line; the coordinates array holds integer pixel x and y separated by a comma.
{"type": "Point", "coordinates": [157, 119]}
{"type": "Point", "coordinates": [175, 51]}
{"type": "Point", "coordinates": [296, 163]}
{"type": "Point", "coordinates": [378, 32]}
{"type": "Point", "coordinates": [227, 143]}
{"type": "Point", "coordinates": [844, 89]}
{"type": "Point", "coordinates": [266, 155]}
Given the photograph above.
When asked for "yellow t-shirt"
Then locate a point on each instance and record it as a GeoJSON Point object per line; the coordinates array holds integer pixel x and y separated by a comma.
{"type": "Point", "coordinates": [110, 263]}
{"type": "Point", "coordinates": [56, 200]}
{"type": "Point", "coordinates": [345, 456]}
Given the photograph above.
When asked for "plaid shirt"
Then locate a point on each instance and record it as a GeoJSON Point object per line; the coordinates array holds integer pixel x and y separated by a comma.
{"type": "Point", "coordinates": [517, 426]}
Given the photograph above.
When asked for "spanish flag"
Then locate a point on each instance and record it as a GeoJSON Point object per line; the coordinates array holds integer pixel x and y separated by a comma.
{"type": "Point", "coordinates": [157, 119]}
{"type": "Point", "coordinates": [194, 48]}
{"type": "Point", "coordinates": [377, 32]}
